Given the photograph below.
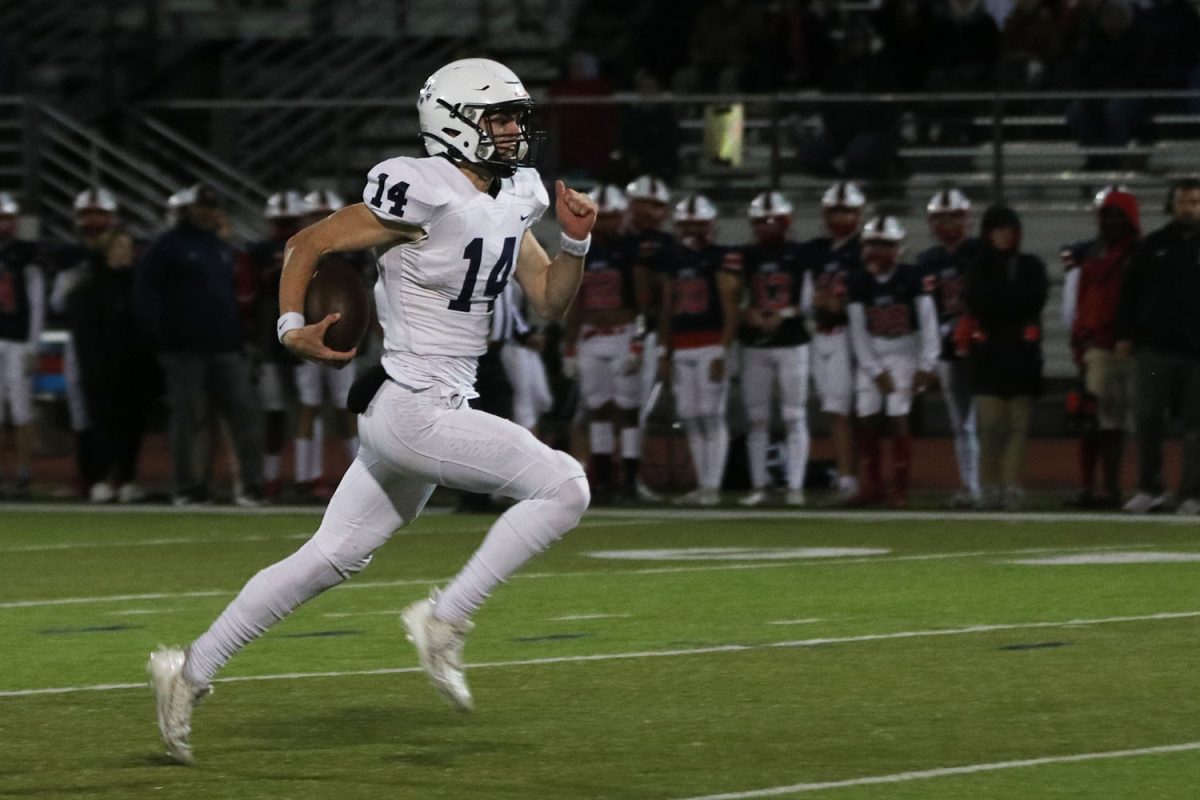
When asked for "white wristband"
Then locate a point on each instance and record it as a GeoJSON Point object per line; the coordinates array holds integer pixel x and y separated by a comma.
{"type": "Point", "coordinates": [575, 247]}
{"type": "Point", "coordinates": [288, 322]}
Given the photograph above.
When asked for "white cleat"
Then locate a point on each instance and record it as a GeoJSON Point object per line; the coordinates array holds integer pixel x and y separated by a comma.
{"type": "Point", "coordinates": [1144, 503]}
{"type": "Point", "coordinates": [646, 494]}
{"type": "Point", "coordinates": [175, 698]}
{"type": "Point", "coordinates": [707, 498]}
{"type": "Point", "coordinates": [794, 498]}
{"type": "Point", "coordinates": [440, 649]}
{"type": "Point", "coordinates": [1189, 508]}
{"type": "Point", "coordinates": [755, 498]}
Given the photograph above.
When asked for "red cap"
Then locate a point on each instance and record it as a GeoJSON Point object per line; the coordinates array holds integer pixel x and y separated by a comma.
{"type": "Point", "coordinates": [1127, 204]}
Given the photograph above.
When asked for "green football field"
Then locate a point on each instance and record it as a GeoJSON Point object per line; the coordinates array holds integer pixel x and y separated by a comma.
{"type": "Point", "coordinates": [647, 655]}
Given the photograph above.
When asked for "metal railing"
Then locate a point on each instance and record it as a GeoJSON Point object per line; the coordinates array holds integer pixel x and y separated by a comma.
{"type": "Point", "coordinates": [53, 157]}
{"type": "Point", "coordinates": [1009, 144]}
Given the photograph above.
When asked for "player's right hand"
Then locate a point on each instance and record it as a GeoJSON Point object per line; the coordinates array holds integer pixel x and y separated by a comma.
{"type": "Point", "coordinates": [885, 383]}
{"type": "Point", "coordinates": [309, 343]}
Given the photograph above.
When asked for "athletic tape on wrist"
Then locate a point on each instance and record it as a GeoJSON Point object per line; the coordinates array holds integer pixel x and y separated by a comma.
{"type": "Point", "coordinates": [288, 322]}
{"type": "Point", "coordinates": [575, 247]}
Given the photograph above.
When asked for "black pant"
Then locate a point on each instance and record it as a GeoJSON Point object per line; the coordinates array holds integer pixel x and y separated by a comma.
{"type": "Point", "coordinates": [1167, 384]}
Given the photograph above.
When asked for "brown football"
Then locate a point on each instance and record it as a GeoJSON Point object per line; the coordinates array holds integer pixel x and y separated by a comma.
{"type": "Point", "coordinates": [336, 287]}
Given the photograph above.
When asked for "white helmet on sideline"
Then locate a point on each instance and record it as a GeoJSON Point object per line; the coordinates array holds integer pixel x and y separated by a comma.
{"type": "Point", "coordinates": [648, 187]}
{"type": "Point", "coordinates": [96, 199]}
{"type": "Point", "coordinates": [323, 200]}
{"type": "Point", "coordinates": [885, 229]}
{"type": "Point", "coordinates": [609, 198]}
{"type": "Point", "coordinates": [769, 204]}
{"type": "Point", "coordinates": [695, 208]}
{"type": "Point", "coordinates": [9, 205]}
{"type": "Point", "coordinates": [284, 205]}
{"type": "Point", "coordinates": [948, 201]}
{"type": "Point", "coordinates": [843, 194]}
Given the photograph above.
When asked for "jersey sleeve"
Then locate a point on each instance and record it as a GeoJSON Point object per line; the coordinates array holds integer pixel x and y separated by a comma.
{"type": "Point", "coordinates": [402, 190]}
{"type": "Point", "coordinates": [531, 189]}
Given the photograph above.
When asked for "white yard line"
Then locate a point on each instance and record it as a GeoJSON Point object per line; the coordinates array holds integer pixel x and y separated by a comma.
{"type": "Point", "coordinates": [429, 582]}
{"type": "Point", "coordinates": [946, 772]}
{"type": "Point", "coordinates": [809, 621]}
{"type": "Point", "coordinates": [693, 651]}
{"type": "Point", "coordinates": [647, 514]}
{"type": "Point", "coordinates": [578, 617]}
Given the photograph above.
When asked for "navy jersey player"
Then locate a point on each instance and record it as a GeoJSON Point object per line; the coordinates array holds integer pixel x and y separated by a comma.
{"type": "Point", "coordinates": [774, 340]}
{"type": "Point", "coordinates": [832, 259]}
{"type": "Point", "coordinates": [697, 323]}
{"type": "Point", "coordinates": [22, 316]}
{"type": "Point", "coordinates": [893, 327]}
{"type": "Point", "coordinates": [944, 266]}
{"type": "Point", "coordinates": [602, 346]}
{"type": "Point", "coordinates": [449, 232]}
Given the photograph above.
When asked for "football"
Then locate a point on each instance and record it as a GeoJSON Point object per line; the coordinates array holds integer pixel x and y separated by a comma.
{"type": "Point", "coordinates": [337, 288]}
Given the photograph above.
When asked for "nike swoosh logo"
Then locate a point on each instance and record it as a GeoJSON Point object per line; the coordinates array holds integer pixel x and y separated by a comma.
{"type": "Point", "coordinates": [525, 216]}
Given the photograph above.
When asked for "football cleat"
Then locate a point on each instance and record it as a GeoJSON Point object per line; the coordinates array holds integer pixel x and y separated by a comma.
{"type": "Point", "coordinates": [176, 698]}
{"type": "Point", "coordinates": [754, 498]}
{"type": "Point", "coordinates": [1144, 503]}
{"type": "Point", "coordinates": [1188, 508]}
{"type": "Point", "coordinates": [794, 498]}
{"type": "Point", "coordinates": [439, 647]}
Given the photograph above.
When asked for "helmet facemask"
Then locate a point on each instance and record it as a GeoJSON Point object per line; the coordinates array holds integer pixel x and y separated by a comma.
{"type": "Point", "coordinates": [500, 151]}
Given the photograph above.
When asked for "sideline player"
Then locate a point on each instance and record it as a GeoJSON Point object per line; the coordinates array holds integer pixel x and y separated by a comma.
{"type": "Point", "coordinates": [283, 212]}
{"type": "Point", "coordinates": [699, 287]}
{"type": "Point", "coordinates": [602, 345]}
{"type": "Point", "coordinates": [832, 259]}
{"type": "Point", "coordinates": [448, 230]}
{"type": "Point", "coordinates": [775, 345]}
{"type": "Point", "coordinates": [893, 326]}
{"type": "Point", "coordinates": [315, 382]}
{"type": "Point", "coordinates": [22, 317]}
{"type": "Point", "coordinates": [944, 266]}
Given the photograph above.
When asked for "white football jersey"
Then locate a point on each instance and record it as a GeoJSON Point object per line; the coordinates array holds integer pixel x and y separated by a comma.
{"type": "Point", "coordinates": [435, 295]}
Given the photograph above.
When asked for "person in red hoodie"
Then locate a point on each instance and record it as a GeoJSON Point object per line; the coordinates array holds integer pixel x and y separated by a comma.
{"type": "Point", "coordinates": [1108, 381]}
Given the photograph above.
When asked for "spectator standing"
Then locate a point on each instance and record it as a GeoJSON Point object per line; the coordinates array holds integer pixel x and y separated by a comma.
{"type": "Point", "coordinates": [22, 317]}
{"type": "Point", "coordinates": [185, 290]}
{"type": "Point", "coordinates": [115, 364]}
{"type": "Point", "coordinates": [1108, 382]}
{"type": "Point", "coordinates": [1158, 318]}
{"type": "Point", "coordinates": [1006, 291]}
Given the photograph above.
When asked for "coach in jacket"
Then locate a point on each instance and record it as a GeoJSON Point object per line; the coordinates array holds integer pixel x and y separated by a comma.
{"type": "Point", "coordinates": [1005, 292]}
{"type": "Point", "coordinates": [1158, 318]}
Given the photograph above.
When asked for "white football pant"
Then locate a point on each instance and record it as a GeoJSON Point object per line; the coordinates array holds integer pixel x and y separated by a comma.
{"type": "Point", "coordinates": [765, 371]}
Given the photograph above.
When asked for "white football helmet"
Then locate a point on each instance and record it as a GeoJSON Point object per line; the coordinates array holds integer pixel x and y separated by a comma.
{"type": "Point", "coordinates": [609, 199]}
{"type": "Point", "coordinates": [9, 205]}
{"type": "Point", "coordinates": [284, 205]}
{"type": "Point", "coordinates": [323, 201]}
{"type": "Point", "coordinates": [648, 187]}
{"type": "Point", "coordinates": [695, 208]}
{"type": "Point", "coordinates": [948, 201]}
{"type": "Point", "coordinates": [843, 194]}
{"type": "Point", "coordinates": [96, 199]}
{"type": "Point", "coordinates": [453, 104]}
{"type": "Point", "coordinates": [884, 230]}
{"type": "Point", "coordinates": [769, 204]}
{"type": "Point", "coordinates": [1098, 200]}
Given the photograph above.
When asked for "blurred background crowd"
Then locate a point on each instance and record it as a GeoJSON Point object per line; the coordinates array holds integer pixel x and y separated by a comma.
{"type": "Point", "coordinates": [269, 112]}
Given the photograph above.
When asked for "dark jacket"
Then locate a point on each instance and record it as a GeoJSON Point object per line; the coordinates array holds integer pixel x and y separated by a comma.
{"type": "Point", "coordinates": [1005, 294]}
{"type": "Point", "coordinates": [1160, 297]}
{"type": "Point", "coordinates": [185, 292]}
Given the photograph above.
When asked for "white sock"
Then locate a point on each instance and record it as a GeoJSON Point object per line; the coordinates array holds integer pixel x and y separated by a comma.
{"type": "Point", "coordinates": [521, 532]}
{"type": "Point", "coordinates": [271, 467]}
{"type": "Point", "coordinates": [631, 442]}
{"type": "Point", "coordinates": [716, 435]}
{"type": "Point", "coordinates": [352, 448]}
{"type": "Point", "coordinates": [268, 597]}
{"type": "Point", "coordinates": [303, 470]}
{"type": "Point", "coordinates": [316, 459]}
{"type": "Point", "coordinates": [757, 442]}
{"type": "Point", "coordinates": [601, 437]}
{"type": "Point", "coordinates": [798, 443]}
{"type": "Point", "coordinates": [698, 447]}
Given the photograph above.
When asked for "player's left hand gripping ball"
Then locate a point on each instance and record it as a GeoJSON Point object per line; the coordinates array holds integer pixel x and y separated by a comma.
{"type": "Point", "coordinates": [576, 211]}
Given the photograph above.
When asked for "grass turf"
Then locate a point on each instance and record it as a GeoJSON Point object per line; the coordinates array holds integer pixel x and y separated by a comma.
{"type": "Point", "coordinates": [876, 672]}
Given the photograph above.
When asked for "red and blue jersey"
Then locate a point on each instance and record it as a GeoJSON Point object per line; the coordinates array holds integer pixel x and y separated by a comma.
{"type": "Point", "coordinates": [695, 301]}
{"type": "Point", "coordinates": [774, 276]}
{"type": "Point", "coordinates": [890, 304]}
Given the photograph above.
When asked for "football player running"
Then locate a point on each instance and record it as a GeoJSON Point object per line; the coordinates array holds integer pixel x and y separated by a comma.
{"type": "Point", "coordinates": [893, 327]}
{"type": "Point", "coordinates": [775, 345]}
{"type": "Point", "coordinates": [699, 316]}
{"type": "Point", "coordinates": [832, 259]}
{"type": "Point", "coordinates": [449, 230]}
{"type": "Point", "coordinates": [603, 348]}
{"type": "Point", "coordinates": [944, 266]}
